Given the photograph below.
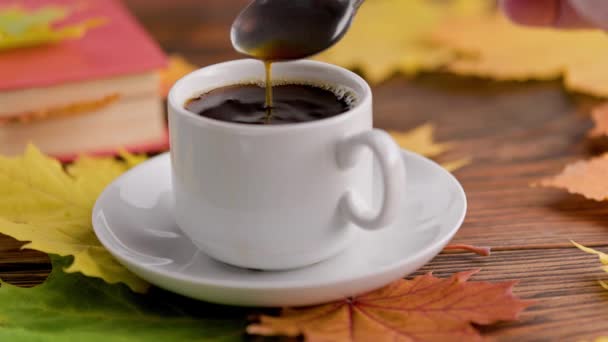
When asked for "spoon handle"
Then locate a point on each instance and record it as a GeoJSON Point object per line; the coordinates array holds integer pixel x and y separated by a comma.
{"type": "Point", "coordinates": [358, 3]}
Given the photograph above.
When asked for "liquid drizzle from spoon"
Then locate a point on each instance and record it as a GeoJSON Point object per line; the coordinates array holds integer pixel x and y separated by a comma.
{"type": "Point", "coordinates": [268, 84]}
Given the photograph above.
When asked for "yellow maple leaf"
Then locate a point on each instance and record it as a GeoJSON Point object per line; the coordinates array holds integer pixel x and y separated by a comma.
{"type": "Point", "coordinates": [603, 257]}
{"type": "Point", "coordinates": [50, 207]}
{"type": "Point", "coordinates": [491, 46]}
{"type": "Point", "coordinates": [456, 164]}
{"type": "Point", "coordinates": [24, 28]}
{"type": "Point", "coordinates": [178, 67]}
{"type": "Point", "coordinates": [388, 36]}
{"type": "Point", "coordinates": [420, 140]}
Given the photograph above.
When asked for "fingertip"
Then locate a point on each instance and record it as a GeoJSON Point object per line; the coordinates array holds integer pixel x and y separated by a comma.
{"type": "Point", "coordinates": [581, 14]}
{"type": "Point", "coordinates": [530, 13]}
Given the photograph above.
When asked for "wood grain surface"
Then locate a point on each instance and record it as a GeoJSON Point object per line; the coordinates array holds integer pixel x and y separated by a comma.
{"type": "Point", "coordinates": [516, 133]}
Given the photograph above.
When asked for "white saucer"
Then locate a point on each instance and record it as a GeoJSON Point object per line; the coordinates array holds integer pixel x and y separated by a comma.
{"type": "Point", "coordinates": [133, 220]}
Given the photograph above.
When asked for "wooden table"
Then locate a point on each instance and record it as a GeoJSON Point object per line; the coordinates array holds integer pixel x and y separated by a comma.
{"type": "Point", "coordinates": [516, 133]}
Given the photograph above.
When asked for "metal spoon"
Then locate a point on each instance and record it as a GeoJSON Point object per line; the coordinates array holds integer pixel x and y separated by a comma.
{"type": "Point", "coordinates": [273, 30]}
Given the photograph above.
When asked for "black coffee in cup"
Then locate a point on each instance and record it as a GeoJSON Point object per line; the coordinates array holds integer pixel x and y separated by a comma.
{"type": "Point", "coordinates": [291, 103]}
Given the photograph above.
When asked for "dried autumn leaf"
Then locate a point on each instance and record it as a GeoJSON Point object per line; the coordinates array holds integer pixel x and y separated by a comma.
{"type": "Point", "coordinates": [420, 140]}
{"type": "Point", "coordinates": [491, 46]}
{"type": "Point", "coordinates": [389, 36]}
{"type": "Point", "coordinates": [601, 256]}
{"type": "Point", "coordinates": [587, 178]}
{"type": "Point", "coordinates": [50, 207]}
{"type": "Point", "coordinates": [178, 67]}
{"type": "Point", "coordinates": [425, 308]}
{"type": "Point", "coordinates": [599, 115]}
{"type": "Point", "coordinates": [24, 28]}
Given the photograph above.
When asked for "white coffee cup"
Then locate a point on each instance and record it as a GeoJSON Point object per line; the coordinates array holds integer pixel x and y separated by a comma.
{"type": "Point", "coordinates": [285, 196]}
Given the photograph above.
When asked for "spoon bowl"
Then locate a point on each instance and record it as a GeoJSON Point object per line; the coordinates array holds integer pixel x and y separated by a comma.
{"type": "Point", "coordinates": [275, 30]}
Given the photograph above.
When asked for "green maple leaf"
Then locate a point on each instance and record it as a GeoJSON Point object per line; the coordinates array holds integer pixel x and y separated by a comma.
{"type": "Point", "coordinates": [72, 307]}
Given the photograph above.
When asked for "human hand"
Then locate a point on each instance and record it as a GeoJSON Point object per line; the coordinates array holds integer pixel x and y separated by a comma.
{"type": "Point", "coordinates": [558, 13]}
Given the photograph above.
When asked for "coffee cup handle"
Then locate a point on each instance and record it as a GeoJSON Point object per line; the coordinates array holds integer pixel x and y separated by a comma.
{"type": "Point", "coordinates": [388, 154]}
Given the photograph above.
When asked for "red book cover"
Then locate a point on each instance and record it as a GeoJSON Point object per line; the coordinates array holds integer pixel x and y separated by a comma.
{"type": "Point", "coordinates": [118, 47]}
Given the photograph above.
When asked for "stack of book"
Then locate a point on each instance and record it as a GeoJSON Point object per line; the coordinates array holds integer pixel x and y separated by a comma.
{"type": "Point", "coordinates": [95, 94]}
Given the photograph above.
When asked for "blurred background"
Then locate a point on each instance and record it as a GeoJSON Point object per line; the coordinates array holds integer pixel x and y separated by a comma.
{"type": "Point", "coordinates": [199, 30]}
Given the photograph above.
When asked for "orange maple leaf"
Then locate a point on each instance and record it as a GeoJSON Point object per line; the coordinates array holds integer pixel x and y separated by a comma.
{"type": "Point", "coordinates": [599, 115]}
{"type": "Point", "coordinates": [425, 308]}
{"type": "Point", "coordinates": [587, 178]}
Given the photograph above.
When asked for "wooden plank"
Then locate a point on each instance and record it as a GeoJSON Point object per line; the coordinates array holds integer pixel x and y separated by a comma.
{"type": "Point", "coordinates": [23, 267]}
{"type": "Point", "coordinates": [516, 134]}
{"type": "Point", "coordinates": [571, 305]}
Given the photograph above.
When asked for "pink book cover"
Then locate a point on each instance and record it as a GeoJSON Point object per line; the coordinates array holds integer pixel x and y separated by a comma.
{"type": "Point", "coordinates": [118, 47]}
